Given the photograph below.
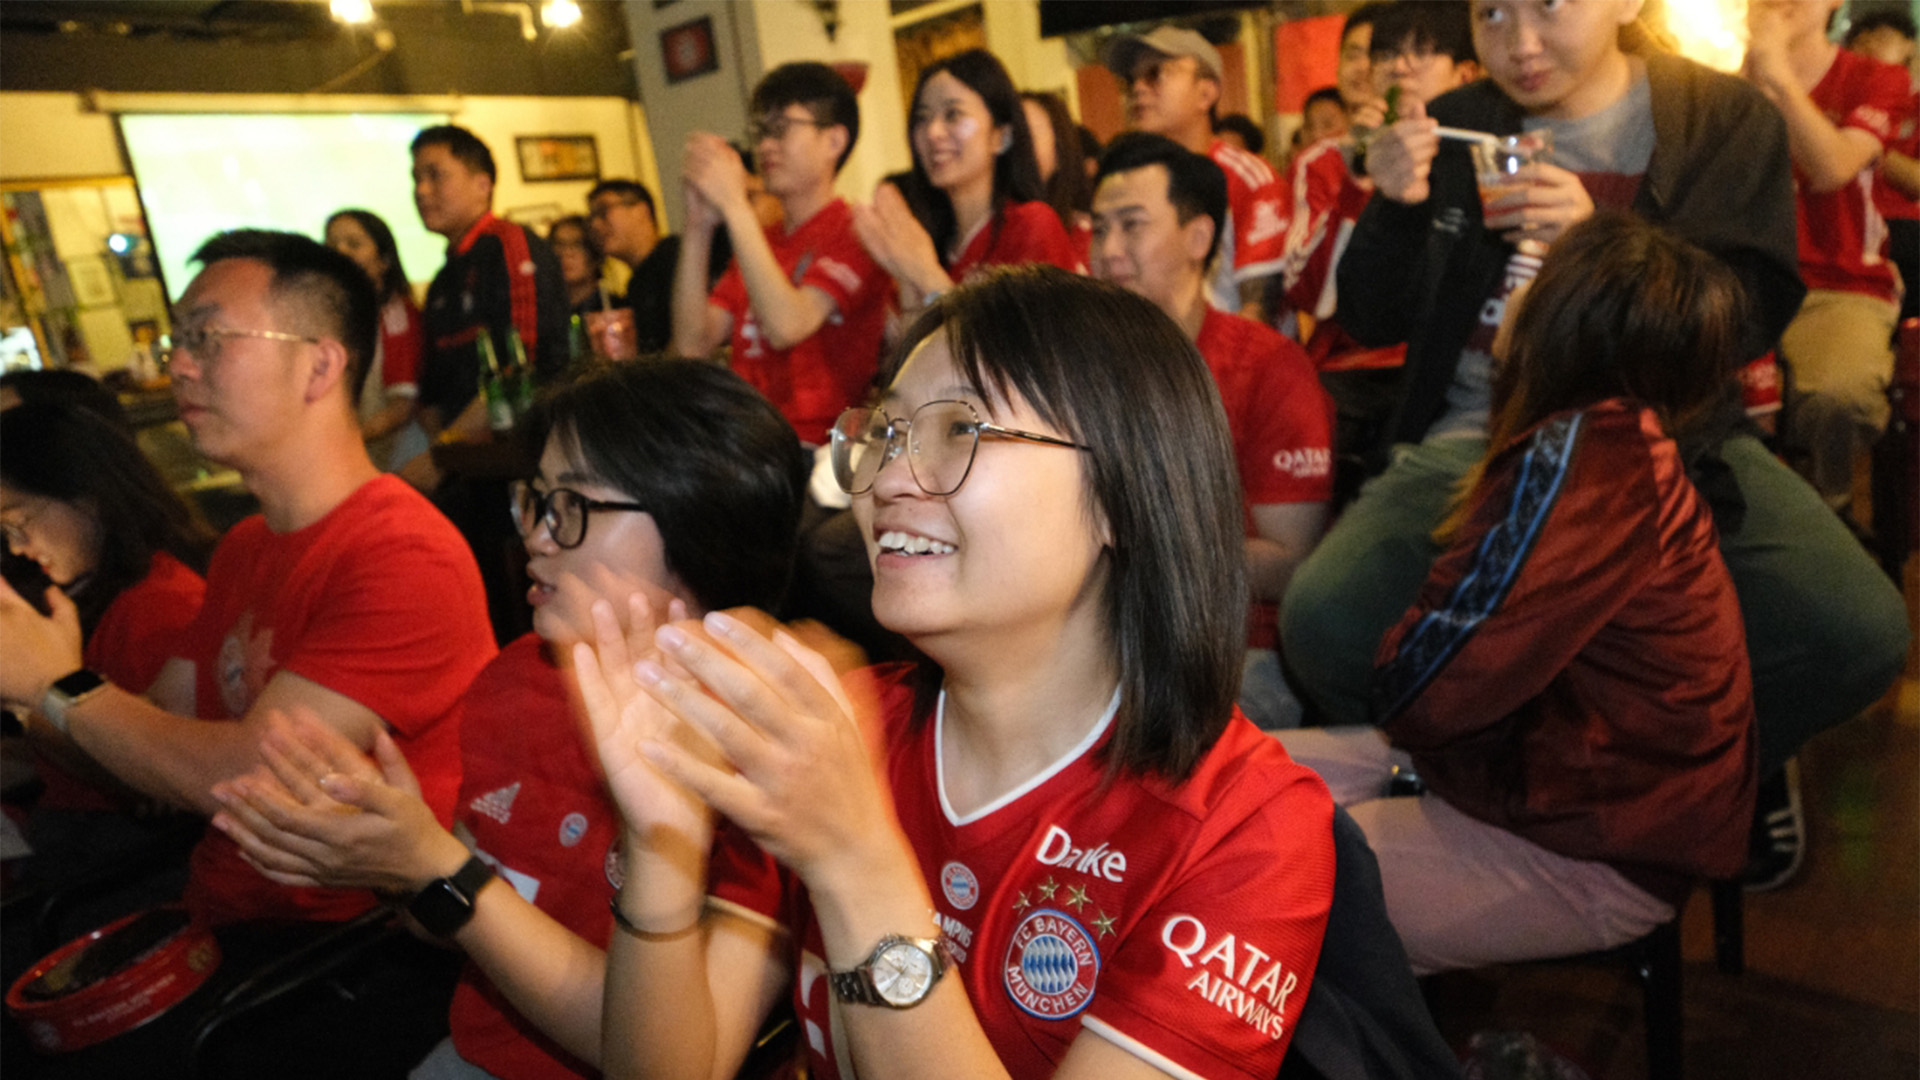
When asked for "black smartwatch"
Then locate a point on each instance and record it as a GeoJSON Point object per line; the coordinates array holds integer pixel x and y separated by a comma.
{"type": "Point", "coordinates": [68, 691]}
{"type": "Point", "coordinates": [446, 904]}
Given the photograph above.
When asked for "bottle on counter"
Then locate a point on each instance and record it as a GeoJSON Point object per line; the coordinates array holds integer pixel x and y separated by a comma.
{"type": "Point", "coordinates": [519, 379]}
{"type": "Point", "coordinates": [493, 384]}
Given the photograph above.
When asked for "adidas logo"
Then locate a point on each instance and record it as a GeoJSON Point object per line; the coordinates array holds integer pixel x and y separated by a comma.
{"type": "Point", "coordinates": [498, 805]}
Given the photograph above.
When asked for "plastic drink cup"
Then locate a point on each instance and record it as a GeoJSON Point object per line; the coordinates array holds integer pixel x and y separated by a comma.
{"type": "Point", "coordinates": [1498, 161]}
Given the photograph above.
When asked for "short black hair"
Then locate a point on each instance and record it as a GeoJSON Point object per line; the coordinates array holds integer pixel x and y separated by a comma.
{"type": "Point", "coordinates": [1445, 26]}
{"type": "Point", "coordinates": [717, 466]}
{"type": "Point", "coordinates": [626, 189]}
{"type": "Point", "coordinates": [322, 292]}
{"type": "Point", "coordinates": [1364, 15]}
{"type": "Point", "coordinates": [1195, 185]}
{"type": "Point", "coordinates": [1113, 373]}
{"type": "Point", "coordinates": [1242, 125]}
{"type": "Point", "coordinates": [1328, 94]}
{"type": "Point", "coordinates": [1887, 18]}
{"type": "Point", "coordinates": [66, 386]}
{"type": "Point", "coordinates": [816, 87]}
{"type": "Point", "coordinates": [464, 145]}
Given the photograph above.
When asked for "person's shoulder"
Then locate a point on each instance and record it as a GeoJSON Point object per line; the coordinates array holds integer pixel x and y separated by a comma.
{"type": "Point", "coordinates": [397, 515]}
{"type": "Point", "coordinates": [1030, 215]}
{"type": "Point", "coordinates": [522, 662]}
{"type": "Point", "coordinates": [1247, 168]}
{"type": "Point", "coordinates": [1669, 75]}
{"type": "Point", "coordinates": [1247, 341]}
{"type": "Point", "coordinates": [1246, 774]}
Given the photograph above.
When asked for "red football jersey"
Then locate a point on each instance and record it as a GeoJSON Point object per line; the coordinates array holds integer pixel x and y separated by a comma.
{"type": "Point", "coordinates": [1181, 922]}
{"type": "Point", "coordinates": [1255, 233]}
{"type": "Point", "coordinates": [379, 601]}
{"type": "Point", "coordinates": [1843, 238]}
{"type": "Point", "coordinates": [1028, 232]}
{"type": "Point", "coordinates": [814, 380]}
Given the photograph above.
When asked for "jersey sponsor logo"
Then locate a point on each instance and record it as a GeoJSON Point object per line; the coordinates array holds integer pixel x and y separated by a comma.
{"type": "Point", "coordinates": [497, 804]}
{"type": "Point", "coordinates": [1051, 965]}
{"type": "Point", "coordinates": [572, 828]}
{"type": "Point", "coordinates": [1057, 849]}
{"type": "Point", "coordinates": [1304, 462]}
{"type": "Point", "coordinates": [244, 663]}
{"type": "Point", "coordinates": [961, 887]}
{"type": "Point", "coordinates": [1235, 976]}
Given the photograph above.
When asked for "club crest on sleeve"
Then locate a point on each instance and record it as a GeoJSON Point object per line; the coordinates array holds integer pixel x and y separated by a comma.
{"type": "Point", "coordinates": [572, 828]}
{"type": "Point", "coordinates": [1051, 965]}
{"type": "Point", "coordinates": [962, 889]}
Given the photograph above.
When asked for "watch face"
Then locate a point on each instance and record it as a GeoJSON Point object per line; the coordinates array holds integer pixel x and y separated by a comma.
{"type": "Point", "coordinates": [902, 973]}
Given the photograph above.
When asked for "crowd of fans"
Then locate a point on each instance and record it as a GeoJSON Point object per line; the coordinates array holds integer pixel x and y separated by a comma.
{"type": "Point", "coordinates": [1205, 513]}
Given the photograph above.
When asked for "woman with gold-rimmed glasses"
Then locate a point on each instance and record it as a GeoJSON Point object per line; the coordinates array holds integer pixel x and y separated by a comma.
{"type": "Point", "coordinates": [1033, 853]}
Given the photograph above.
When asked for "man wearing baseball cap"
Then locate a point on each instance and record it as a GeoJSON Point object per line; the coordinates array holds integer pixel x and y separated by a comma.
{"type": "Point", "coordinates": [1172, 79]}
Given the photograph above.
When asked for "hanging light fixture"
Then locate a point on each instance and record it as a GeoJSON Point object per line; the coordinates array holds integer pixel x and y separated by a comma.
{"type": "Point", "coordinates": [559, 14]}
{"type": "Point", "coordinates": [351, 12]}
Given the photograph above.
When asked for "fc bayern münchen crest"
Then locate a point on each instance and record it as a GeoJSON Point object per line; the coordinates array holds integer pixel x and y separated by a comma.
{"type": "Point", "coordinates": [1051, 965]}
{"type": "Point", "coordinates": [961, 887]}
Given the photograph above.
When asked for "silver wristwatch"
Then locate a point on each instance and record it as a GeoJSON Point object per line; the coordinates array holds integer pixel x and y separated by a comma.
{"type": "Point", "coordinates": [899, 973]}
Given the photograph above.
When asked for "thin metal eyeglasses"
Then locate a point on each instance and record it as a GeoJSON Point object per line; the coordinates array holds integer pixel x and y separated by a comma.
{"type": "Point", "coordinates": [563, 511]}
{"type": "Point", "coordinates": [15, 531]}
{"type": "Point", "coordinates": [940, 438]}
{"type": "Point", "coordinates": [777, 127]}
{"type": "Point", "coordinates": [204, 342]}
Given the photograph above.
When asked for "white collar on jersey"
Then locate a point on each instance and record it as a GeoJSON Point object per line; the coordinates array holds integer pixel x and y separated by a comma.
{"type": "Point", "coordinates": [940, 766]}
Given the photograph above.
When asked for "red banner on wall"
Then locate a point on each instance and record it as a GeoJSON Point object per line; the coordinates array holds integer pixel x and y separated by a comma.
{"type": "Point", "coordinates": [1306, 56]}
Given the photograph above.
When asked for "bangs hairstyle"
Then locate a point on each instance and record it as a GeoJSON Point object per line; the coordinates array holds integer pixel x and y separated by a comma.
{"type": "Point", "coordinates": [1016, 177]}
{"type": "Point", "coordinates": [71, 454]}
{"type": "Point", "coordinates": [1113, 373]}
{"type": "Point", "coordinates": [717, 466]}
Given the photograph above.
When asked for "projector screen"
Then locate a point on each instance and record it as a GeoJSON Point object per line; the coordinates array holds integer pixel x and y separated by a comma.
{"type": "Point", "coordinates": [202, 173]}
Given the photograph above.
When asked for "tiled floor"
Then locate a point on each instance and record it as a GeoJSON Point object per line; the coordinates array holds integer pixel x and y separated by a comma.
{"type": "Point", "coordinates": [1832, 988]}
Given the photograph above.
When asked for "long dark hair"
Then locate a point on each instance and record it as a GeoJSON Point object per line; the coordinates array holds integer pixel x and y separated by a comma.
{"type": "Point", "coordinates": [1621, 308]}
{"type": "Point", "coordinates": [1016, 178]}
{"type": "Point", "coordinates": [73, 455]}
{"type": "Point", "coordinates": [1069, 191]}
{"type": "Point", "coordinates": [394, 282]}
{"type": "Point", "coordinates": [1116, 375]}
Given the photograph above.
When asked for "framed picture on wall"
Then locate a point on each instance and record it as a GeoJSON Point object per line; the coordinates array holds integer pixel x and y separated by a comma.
{"type": "Point", "coordinates": [558, 157]}
{"type": "Point", "coordinates": [687, 50]}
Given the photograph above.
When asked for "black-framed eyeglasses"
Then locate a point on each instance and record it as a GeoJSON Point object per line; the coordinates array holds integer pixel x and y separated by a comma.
{"type": "Point", "coordinates": [776, 127]}
{"type": "Point", "coordinates": [940, 439]}
{"type": "Point", "coordinates": [204, 342]}
{"type": "Point", "coordinates": [563, 511]}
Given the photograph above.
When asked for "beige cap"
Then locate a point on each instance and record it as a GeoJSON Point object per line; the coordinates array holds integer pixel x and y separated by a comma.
{"type": "Point", "coordinates": [1124, 52]}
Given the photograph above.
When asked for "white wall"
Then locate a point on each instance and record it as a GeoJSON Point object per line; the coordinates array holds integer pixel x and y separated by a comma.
{"type": "Point", "coordinates": [1036, 63]}
{"type": "Point", "coordinates": [715, 101]}
{"type": "Point", "coordinates": [790, 30]}
{"type": "Point", "coordinates": [50, 136]}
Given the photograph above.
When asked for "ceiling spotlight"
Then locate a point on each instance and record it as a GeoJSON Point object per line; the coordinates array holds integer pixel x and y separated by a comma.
{"type": "Point", "coordinates": [559, 14]}
{"type": "Point", "coordinates": [352, 12]}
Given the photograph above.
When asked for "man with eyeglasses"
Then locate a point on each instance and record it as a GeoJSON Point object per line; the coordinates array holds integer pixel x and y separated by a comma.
{"type": "Point", "coordinates": [347, 597]}
{"type": "Point", "coordinates": [1157, 209]}
{"type": "Point", "coordinates": [1172, 79]}
{"type": "Point", "coordinates": [803, 304]}
{"type": "Point", "coordinates": [620, 214]}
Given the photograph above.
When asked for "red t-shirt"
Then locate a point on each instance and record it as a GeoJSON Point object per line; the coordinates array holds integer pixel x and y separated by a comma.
{"type": "Point", "coordinates": [1282, 424]}
{"type": "Point", "coordinates": [400, 346]}
{"type": "Point", "coordinates": [814, 380]}
{"type": "Point", "coordinates": [136, 635]}
{"type": "Point", "coordinates": [1181, 922]}
{"type": "Point", "coordinates": [532, 803]}
{"type": "Point", "coordinates": [379, 601]}
{"type": "Point", "coordinates": [1255, 233]}
{"type": "Point", "coordinates": [1028, 232]}
{"type": "Point", "coordinates": [1906, 139]}
{"type": "Point", "coordinates": [1843, 238]}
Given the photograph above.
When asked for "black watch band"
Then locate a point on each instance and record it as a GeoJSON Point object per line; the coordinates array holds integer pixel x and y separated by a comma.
{"type": "Point", "coordinates": [66, 692]}
{"type": "Point", "coordinates": [446, 904]}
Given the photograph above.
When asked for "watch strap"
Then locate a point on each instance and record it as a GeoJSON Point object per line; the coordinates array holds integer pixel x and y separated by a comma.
{"type": "Point", "coordinates": [446, 904]}
{"type": "Point", "coordinates": [66, 692]}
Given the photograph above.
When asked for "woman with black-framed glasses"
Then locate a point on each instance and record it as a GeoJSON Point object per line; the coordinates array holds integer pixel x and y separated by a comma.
{"type": "Point", "coordinates": [1053, 847]}
{"type": "Point", "coordinates": [666, 487]}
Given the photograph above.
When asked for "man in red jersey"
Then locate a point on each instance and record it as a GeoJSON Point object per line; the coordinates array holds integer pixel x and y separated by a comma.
{"type": "Point", "coordinates": [347, 598]}
{"type": "Point", "coordinates": [1157, 209]}
{"type": "Point", "coordinates": [803, 304]}
{"type": "Point", "coordinates": [1840, 108]}
{"type": "Point", "coordinates": [1172, 79]}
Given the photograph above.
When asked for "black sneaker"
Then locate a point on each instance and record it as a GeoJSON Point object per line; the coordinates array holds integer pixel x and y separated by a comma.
{"type": "Point", "coordinates": [1778, 842]}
